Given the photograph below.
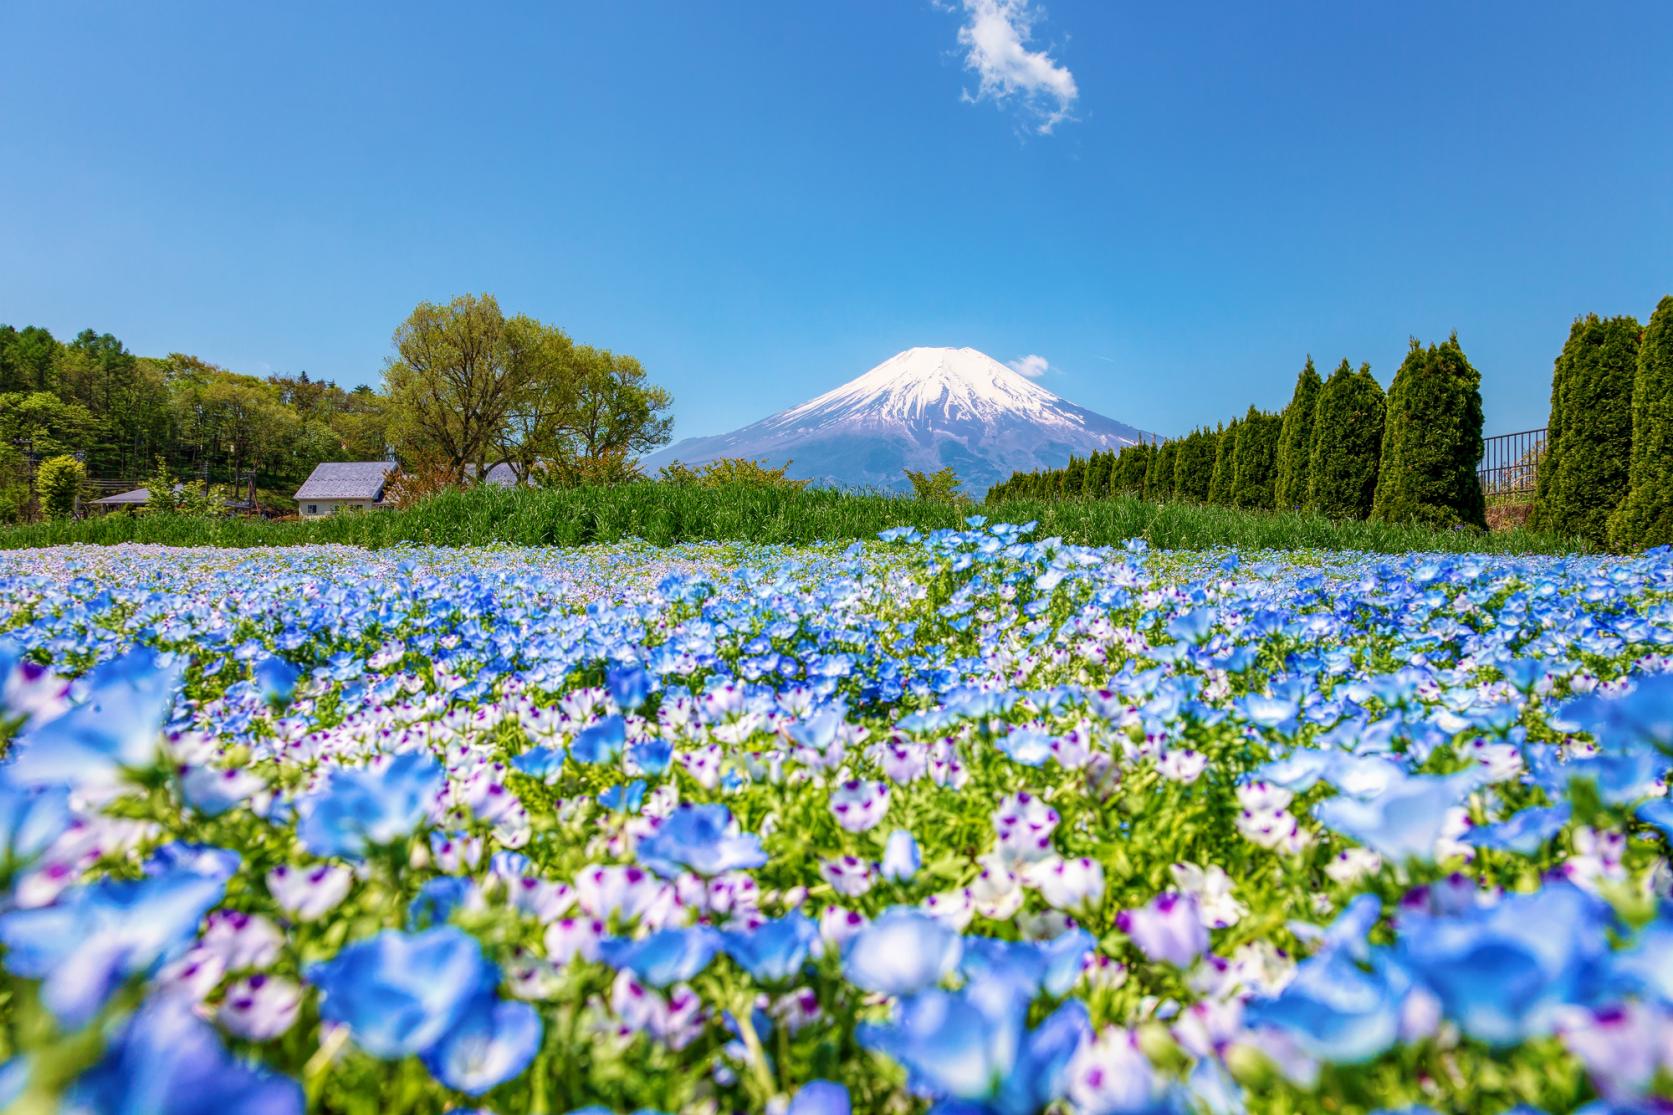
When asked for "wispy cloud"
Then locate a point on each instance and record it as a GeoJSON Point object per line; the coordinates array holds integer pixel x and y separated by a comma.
{"type": "Point", "coordinates": [995, 36]}
{"type": "Point", "coordinates": [1033, 365]}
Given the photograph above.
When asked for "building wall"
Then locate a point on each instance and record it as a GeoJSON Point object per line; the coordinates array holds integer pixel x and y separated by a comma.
{"type": "Point", "coordinates": [320, 508]}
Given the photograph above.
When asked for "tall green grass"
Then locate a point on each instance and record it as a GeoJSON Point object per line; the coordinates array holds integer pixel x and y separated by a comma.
{"type": "Point", "coordinates": [663, 513]}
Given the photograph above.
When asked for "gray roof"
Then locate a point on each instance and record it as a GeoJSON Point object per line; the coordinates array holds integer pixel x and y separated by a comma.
{"type": "Point", "coordinates": [502, 475]}
{"type": "Point", "coordinates": [138, 495]}
{"type": "Point", "coordinates": [346, 480]}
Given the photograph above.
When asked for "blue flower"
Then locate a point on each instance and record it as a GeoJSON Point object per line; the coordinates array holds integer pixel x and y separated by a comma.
{"type": "Point", "coordinates": [1524, 833]}
{"type": "Point", "coordinates": [95, 936]}
{"type": "Point", "coordinates": [1642, 716]}
{"type": "Point", "coordinates": [702, 838]}
{"type": "Point", "coordinates": [626, 798]}
{"type": "Point", "coordinates": [601, 742]}
{"type": "Point", "coordinates": [664, 958]}
{"type": "Point", "coordinates": [276, 679]}
{"type": "Point", "coordinates": [165, 1059]}
{"type": "Point", "coordinates": [494, 1042]}
{"type": "Point", "coordinates": [30, 820]}
{"type": "Point", "coordinates": [1028, 746]}
{"type": "Point", "coordinates": [820, 1097]}
{"type": "Point", "coordinates": [1336, 1010]}
{"type": "Point", "coordinates": [651, 757]}
{"type": "Point", "coordinates": [901, 858]}
{"type": "Point", "coordinates": [437, 899]}
{"type": "Point", "coordinates": [359, 810]}
{"type": "Point", "coordinates": [114, 731]}
{"type": "Point", "coordinates": [1402, 822]}
{"type": "Point", "coordinates": [629, 686]}
{"type": "Point", "coordinates": [400, 993]}
{"type": "Point", "coordinates": [774, 951]}
{"type": "Point", "coordinates": [903, 952]}
{"type": "Point", "coordinates": [543, 763]}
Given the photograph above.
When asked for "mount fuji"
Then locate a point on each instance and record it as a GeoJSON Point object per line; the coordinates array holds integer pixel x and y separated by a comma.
{"type": "Point", "coordinates": [923, 409]}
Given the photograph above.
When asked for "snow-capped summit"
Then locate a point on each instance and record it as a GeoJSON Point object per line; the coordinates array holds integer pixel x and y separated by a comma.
{"type": "Point", "coordinates": [923, 409]}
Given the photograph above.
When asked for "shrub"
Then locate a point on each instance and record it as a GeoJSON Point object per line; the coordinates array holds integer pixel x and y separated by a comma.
{"type": "Point", "coordinates": [409, 486]}
{"type": "Point", "coordinates": [603, 469]}
{"type": "Point", "coordinates": [1645, 518]}
{"type": "Point", "coordinates": [1582, 478]}
{"type": "Point", "coordinates": [1347, 444]}
{"type": "Point", "coordinates": [1255, 460]}
{"type": "Point", "coordinates": [729, 471]}
{"type": "Point", "coordinates": [1432, 441]}
{"type": "Point", "coordinates": [1295, 440]}
{"type": "Point", "coordinates": [940, 486]}
{"type": "Point", "coordinates": [59, 482]}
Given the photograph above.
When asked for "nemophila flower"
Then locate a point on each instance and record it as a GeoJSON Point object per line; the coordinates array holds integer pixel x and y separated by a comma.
{"type": "Point", "coordinates": [31, 819]}
{"type": "Point", "coordinates": [665, 957]}
{"type": "Point", "coordinates": [1212, 889]}
{"type": "Point", "coordinates": [165, 1059]}
{"type": "Point", "coordinates": [1524, 833]}
{"type": "Point", "coordinates": [820, 1097]}
{"type": "Point", "coordinates": [568, 938]}
{"type": "Point", "coordinates": [702, 838]}
{"type": "Point", "coordinates": [1111, 1076]}
{"type": "Point", "coordinates": [1169, 929]}
{"type": "Point", "coordinates": [494, 1042]}
{"type": "Point", "coordinates": [260, 1007]}
{"type": "Point", "coordinates": [1028, 746]}
{"type": "Point", "coordinates": [1075, 885]}
{"type": "Point", "coordinates": [629, 685]}
{"type": "Point", "coordinates": [309, 893]}
{"type": "Point", "coordinates": [362, 809]}
{"type": "Point", "coordinates": [94, 936]}
{"type": "Point", "coordinates": [275, 679]}
{"type": "Point", "coordinates": [241, 940]}
{"type": "Point", "coordinates": [901, 858]}
{"type": "Point", "coordinates": [650, 757]}
{"type": "Point", "coordinates": [902, 952]}
{"type": "Point", "coordinates": [213, 792]}
{"type": "Point", "coordinates": [543, 762]}
{"type": "Point", "coordinates": [1024, 824]}
{"type": "Point", "coordinates": [1405, 821]}
{"type": "Point", "coordinates": [114, 730]}
{"type": "Point", "coordinates": [859, 806]}
{"type": "Point", "coordinates": [601, 742]}
{"type": "Point", "coordinates": [1182, 764]}
{"type": "Point", "coordinates": [624, 798]}
{"type": "Point", "coordinates": [400, 993]}
{"type": "Point", "coordinates": [838, 926]}
{"type": "Point", "coordinates": [849, 876]}
{"type": "Point", "coordinates": [1337, 1010]}
{"type": "Point", "coordinates": [774, 952]}
{"type": "Point", "coordinates": [1642, 716]}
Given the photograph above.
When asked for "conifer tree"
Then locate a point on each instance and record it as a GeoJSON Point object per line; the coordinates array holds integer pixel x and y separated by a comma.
{"type": "Point", "coordinates": [1096, 482]}
{"type": "Point", "coordinates": [1255, 460]}
{"type": "Point", "coordinates": [1220, 481]}
{"type": "Point", "coordinates": [1582, 477]}
{"type": "Point", "coordinates": [1073, 477]}
{"type": "Point", "coordinates": [1432, 441]}
{"type": "Point", "coordinates": [1194, 466]}
{"type": "Point", "coordinates": [1645, 518]}
{"type": "Point", "coordinates": [1158, 480]}
{"type": "Point", "coordinates": [1347, 444]}
{"type": "Point", "coordinates": [1295, 440]}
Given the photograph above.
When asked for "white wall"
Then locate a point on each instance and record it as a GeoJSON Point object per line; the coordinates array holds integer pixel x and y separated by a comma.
{"type": "Point", "coordinates": [323, 507]}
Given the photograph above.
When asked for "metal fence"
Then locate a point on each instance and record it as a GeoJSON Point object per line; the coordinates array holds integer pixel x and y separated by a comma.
{"type": "Point", "coordinates": [1509, 467]}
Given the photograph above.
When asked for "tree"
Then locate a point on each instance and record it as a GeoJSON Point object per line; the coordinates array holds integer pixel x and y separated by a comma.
{"type": "Point", "coordinates": [1645, 518]}
{"type": "Point", "coordinates": [1432, 441]}
{"type": "Point", "coordinates": [1582, 478]}
{"type": "Point", "coordinates": [458, 373]}
{"type": "Point", "coordinates": [1254, 464]}
{"type": "Point", "coordinates": [1194, 466]}
{"type": "Point", "coordinates": [1295, 440]}
{"type": "Point", "coordinates": [1347, 444]}
{"type": "Point", "coordinates": [940, 486]}
{"type": "Point", "coordinates": [59, 482]}
{"type": "Point", "coordinates": [1220, 480]}
{"type": "Point", "coordinates": [1158, 479]}
{"type": "Point", "coordinates": [616, 410]}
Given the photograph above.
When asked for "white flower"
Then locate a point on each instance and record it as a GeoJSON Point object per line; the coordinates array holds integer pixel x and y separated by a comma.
{"type": "Point", "coordinates": [1212, 888]}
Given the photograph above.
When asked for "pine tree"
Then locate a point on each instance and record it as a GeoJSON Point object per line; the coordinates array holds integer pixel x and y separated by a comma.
{"type": "Point", "coordinates": [1432, 441]}
{"type": "Point", "coordinates": [1582, 478]}
{"type": "Point", "coordinates": [1295, 440]}
{"type": "Point", "coordinates": [1347, 444]}
{"type": "Point", "coordinates": [1255, 460]}
{"type": "Point", "coordinates": [1158, 480]}
{"type": "Point", "coordinates": [1220, 482]}
{"type": "Point", "coordinates": [1645, 518]}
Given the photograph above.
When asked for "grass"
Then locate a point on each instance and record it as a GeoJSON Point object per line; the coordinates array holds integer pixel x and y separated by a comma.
{"type": "Point", "coordinates": [662, 513]}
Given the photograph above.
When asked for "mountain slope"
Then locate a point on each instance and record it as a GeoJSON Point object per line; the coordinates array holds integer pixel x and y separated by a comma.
{"type": "Point", "coordinates": [922, 409]}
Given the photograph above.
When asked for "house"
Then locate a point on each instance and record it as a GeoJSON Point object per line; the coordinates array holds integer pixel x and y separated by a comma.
{"type": "Point", "coordinates": [139, 497]}
{"type": "Point", "coordinates": [335, 485]}
{"type": "Point", "coordinates": [501, 475]}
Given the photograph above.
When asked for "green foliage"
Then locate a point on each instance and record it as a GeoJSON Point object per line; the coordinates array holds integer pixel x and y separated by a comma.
{"type": "Point", "coordinates": [1131, 464]}
{"type": "Point", "coordinates": [731, 472]}
{"type": "Point", "coordinates": [160, 489]}
{"type": "Point", "coordinates": [1432, 442]}
{"type": "Point", "coordinates": [1098, 469]}
{"type": "Point", "coordinates": [940, 486]}
{"type": "Point", "coordinates": [1225, 449]}
{"type": "Point", "coordinates": [1295, 440]}
{"type": "Point", "coordinates": [1347, 444]}
{"type": "Point", "coordinates": [1582, 478]}
{"type": "Point", "coordinates": [1193, 471]}
{"type": "Point", "coordinates": [672, 513]}
{"type": "Point", "coordinates": [1158, 478]}
{"type": "Point", "coordinates": [1255, 460]}
{"type": "Point", "coordinates": [1645, 518]}
{"type": "Point", "coordinates": [59, 482]}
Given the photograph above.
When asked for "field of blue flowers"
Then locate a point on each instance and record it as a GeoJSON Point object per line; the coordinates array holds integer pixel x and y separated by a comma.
{"type": "Point", "coordinates": [964, 821]}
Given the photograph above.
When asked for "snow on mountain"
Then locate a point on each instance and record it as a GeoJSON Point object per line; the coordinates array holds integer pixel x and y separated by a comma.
{"type": "Point", "coordinates": [923, 409]}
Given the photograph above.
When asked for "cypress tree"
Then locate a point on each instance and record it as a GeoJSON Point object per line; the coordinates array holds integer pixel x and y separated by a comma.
{"type": "Point", "coordinates": [1432, 441]}
{"type": "Point", "coordinates": [1588, 444]}
{"type": "Point", "coordinates": [1645, 518]}
{"type": "Point", "coordinates": [1295, 440]}
{"type": "Point", "coordinates": [1097, 480]}
{"type": "Point", "coordinates": [1194, 466]}
{"type": "Point", "coordinates": [1158, 479]}
{"type": "Point", "coordinates": [1255, 460]}
{"type": "Point", "coordinates": [1347, 444]}
{"type": "Point", "coordinates": [1220, 481]}
{"type": "Point", "coordinates": [1073, 477]}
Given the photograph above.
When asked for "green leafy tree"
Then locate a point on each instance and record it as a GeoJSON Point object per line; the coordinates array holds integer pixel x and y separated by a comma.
{"type": "Point", "coordinates": [58, 482]}
{"type": "Point", "coordinates": [1432, 441]}
{"type": "Point", "coordinates": [1582, 478]}
{"type": "Point", "coordinates": [1645, 518]}
{"type": "Point", "coordinates": [1255, 460]}
{"type": "Point", "coordinates": [1295, 440]}
{"type": "Point", "coordinates": [1347, 444]}
{"type": "Point", "coordinates": [1099, 466]}
{"type": "Point", "coordinates": [1194, 466]}
{"type": "Point", "coordinates": [731, 471]}
{"type": "Point", "coordinates": [940, 486]}
{"type": "Point", "coordinates": [1220, 480]}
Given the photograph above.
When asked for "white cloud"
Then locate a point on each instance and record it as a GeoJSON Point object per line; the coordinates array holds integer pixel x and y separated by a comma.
{"type": "Point", "coordinates": [995, 35]}
{"type": "Point", "coordinates": [1033, 365]}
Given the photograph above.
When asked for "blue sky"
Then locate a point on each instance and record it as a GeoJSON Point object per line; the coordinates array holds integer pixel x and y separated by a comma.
{"type": "Point", "coordinates": [763, 199]}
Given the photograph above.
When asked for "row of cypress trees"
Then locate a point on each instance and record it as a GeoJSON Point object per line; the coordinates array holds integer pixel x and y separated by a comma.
{"type": "Point", "coordinates": [1607, 472]}
{"type": "Point", "coordinates": [1340, 447]}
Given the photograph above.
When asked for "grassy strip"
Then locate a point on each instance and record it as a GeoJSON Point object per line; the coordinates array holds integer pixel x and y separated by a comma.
{"type": "Point", "coordinates": [662, 514]}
